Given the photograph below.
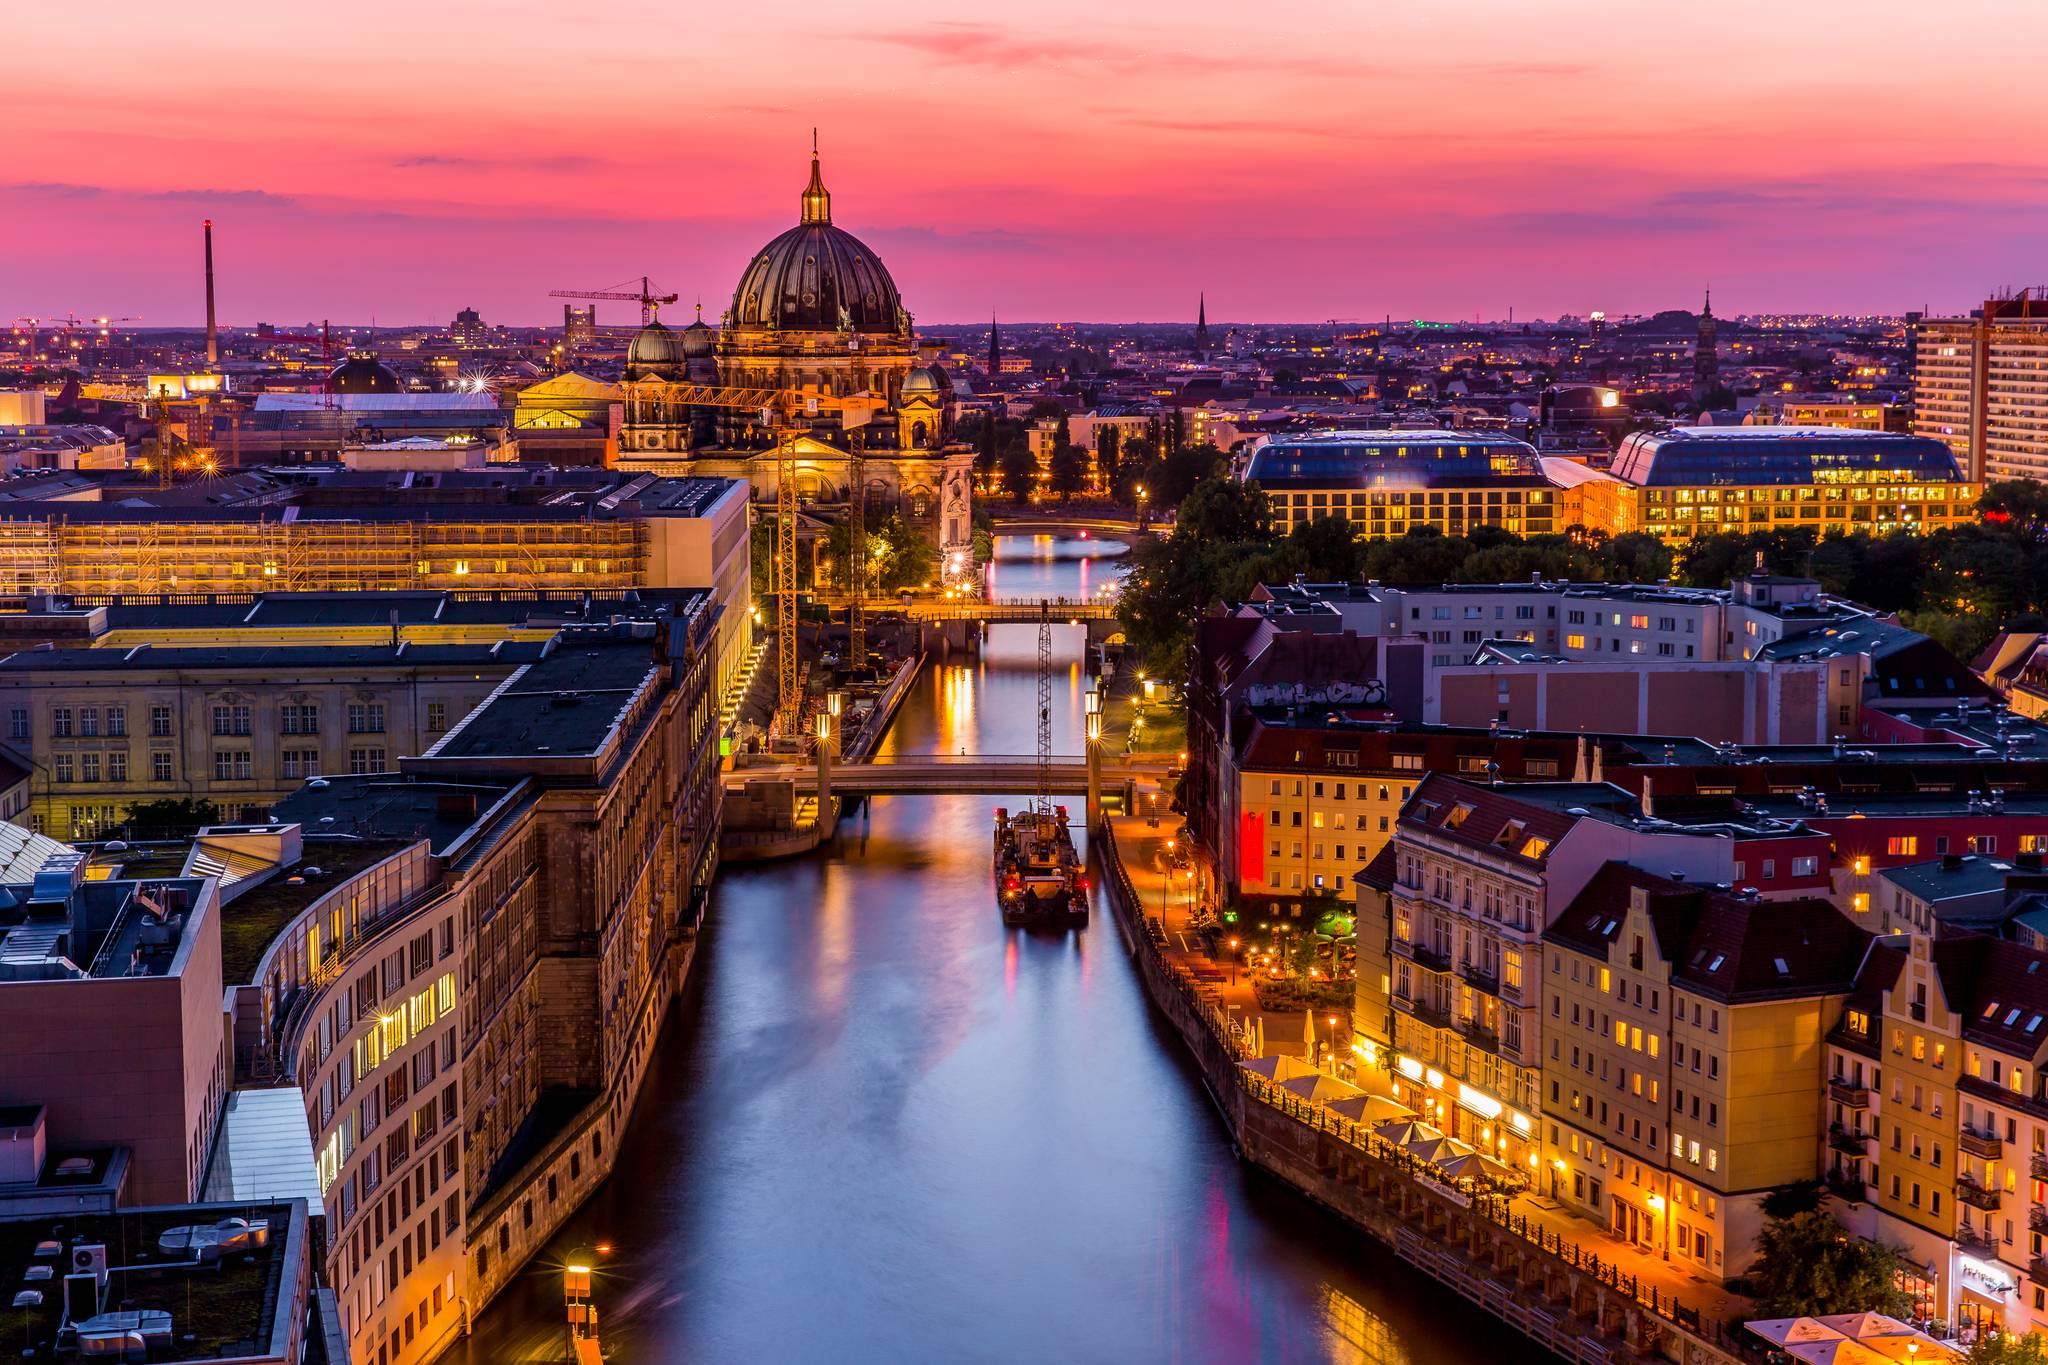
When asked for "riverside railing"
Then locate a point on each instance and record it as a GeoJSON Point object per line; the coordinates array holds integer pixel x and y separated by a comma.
{"type": "Point", "coordinates": [1489, 1201]}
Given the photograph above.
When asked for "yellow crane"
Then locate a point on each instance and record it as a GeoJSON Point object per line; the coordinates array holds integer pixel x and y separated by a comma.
{"type": "Point", "coordinates": [783, 412]}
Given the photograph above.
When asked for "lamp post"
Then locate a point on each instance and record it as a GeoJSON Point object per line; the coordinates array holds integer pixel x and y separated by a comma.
{"type": "Point", "coordinates": [1091, 703]}
{"type": "Point", "coordinates": [828, 724]}
{"type": "Point", "coordinates": [1141, 508]}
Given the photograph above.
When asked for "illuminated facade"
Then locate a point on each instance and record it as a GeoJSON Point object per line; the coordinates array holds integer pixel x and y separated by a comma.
{"type": "Point", "coordinates": [815, 312]}
{"type": "Point", "coordinates": [1684, 1047]}
{"type": "Point", "coordinates": [1980, 384]}
{"type": "Point", "coordinates": [1701, 480]}
{"type": "Point", "coordinates": [470, 1016]}
{"type": "Point", "coordinates": [1385, 482]}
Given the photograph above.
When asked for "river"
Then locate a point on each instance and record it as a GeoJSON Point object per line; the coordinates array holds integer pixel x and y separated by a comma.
{"type": "Point", "coordinates": [882, 1127]}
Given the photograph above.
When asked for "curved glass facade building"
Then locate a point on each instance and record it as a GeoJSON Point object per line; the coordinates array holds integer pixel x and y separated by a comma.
{"type": "Point", "coordinates": [1697, 480]}
{"type": "Point", "coordinates": [1384, 482]}
{"type": "Point", "coordinates": [1696, 457]}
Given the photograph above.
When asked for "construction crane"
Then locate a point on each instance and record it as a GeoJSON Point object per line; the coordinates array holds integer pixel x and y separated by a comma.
{"type": "Point", "coordinates": [783, 412]}
{"type": "Point", "coordinates": [1041, 796]}
{"type": "Point", "coordinates": [645, 296]}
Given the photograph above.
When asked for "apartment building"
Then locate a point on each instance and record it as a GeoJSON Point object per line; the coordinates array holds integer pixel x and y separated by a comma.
{"type": "Point", "coordinates": [1307, 802]}
{"type": "Point", "coordinates": [1479, 872]}
{"type": "Point", "coordinates": [1980, 384]}
{"type": "Point", "coordinates": [1938, 1123]}
{"type": "Point", "coordinates": [1683, 1048]}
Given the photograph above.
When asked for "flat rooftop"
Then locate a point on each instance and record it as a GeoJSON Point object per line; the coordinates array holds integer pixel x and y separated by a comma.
{"type": "Point", "coordinates": [281, 660]}
{"type": "Point", "coordinates": [219, 1311]}
{"type": "Point", "coordinates": [387, 809]}
{"type": "Point", "coordinates": [1952, 878]}
{"type": "Point", "coordinates": [566, 705]}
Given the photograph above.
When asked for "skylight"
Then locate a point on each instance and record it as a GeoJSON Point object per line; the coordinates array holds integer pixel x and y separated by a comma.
{"type": "Point", "coordinates": [1779, 963]}
{"type": "Point", "coordinates": [1715, 965]}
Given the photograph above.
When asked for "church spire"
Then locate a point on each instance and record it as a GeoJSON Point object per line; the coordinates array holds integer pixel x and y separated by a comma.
{"type": "Point", "coordinates": [995, 347]}
{"type": "Point", "coordinates": [817, 200]}
{"type": "Point", "coordinates": [1202, 322]}
{"type": "Point", "coordinates": [1706, 362]}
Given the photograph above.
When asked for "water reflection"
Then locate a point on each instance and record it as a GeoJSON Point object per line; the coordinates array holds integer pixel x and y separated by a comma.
{"type": "Point", "coordinates": [882, 1127]}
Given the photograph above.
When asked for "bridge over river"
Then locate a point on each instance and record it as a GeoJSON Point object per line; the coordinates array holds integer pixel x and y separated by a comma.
{"type": "Point", "coordinates": [955, 774]}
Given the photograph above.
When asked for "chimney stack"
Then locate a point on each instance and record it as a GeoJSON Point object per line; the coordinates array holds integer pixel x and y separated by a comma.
{"type": "Point", "coordinates": [212, 332]}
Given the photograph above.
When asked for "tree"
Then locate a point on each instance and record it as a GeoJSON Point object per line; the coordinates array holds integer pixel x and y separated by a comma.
{"type": "Point", "coordinates": [1069, 473]}
{"type": "Point", "coordinates": [899, 556]}
{"type": "Point", "coordinates": [1107, 440]}
{"type": "Point", "coordinates": [1808, 1265]}
{"type": "Point", "coordinates": [166, 816]}
{"type": "Point", "coordinates": [1182, 469]}
{"type": "Point", "coordinates": [1020, 471]}
{"type": "Point", "coordinates": [1222, 510]}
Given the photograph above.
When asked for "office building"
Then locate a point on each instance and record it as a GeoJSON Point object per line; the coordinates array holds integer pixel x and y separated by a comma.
{"type": "Point", "coordinates": [1384, 482]}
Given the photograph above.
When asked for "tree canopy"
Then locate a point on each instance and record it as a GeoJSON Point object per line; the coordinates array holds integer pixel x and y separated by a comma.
{"type": "Point", "coordinates": [1808, 1265]}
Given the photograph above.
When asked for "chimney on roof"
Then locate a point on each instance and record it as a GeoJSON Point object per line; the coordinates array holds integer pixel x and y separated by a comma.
{"type": "Point", "coordinates": [1582, 768]}
{"type": "Point", "coordinates": [1599, 762]}
{"type": "Point", "coordinates": [1649, 799]}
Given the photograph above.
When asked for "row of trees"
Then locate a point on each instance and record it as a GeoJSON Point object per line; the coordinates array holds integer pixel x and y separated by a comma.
{"type": "Point", "coordinates": [1959, 586]}
{"type": "Point", "coordinates": [1159, 462]}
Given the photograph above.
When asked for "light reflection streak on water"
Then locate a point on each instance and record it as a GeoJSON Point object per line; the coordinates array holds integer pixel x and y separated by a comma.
{"type": "Point", "coordinates": [882, 1127]}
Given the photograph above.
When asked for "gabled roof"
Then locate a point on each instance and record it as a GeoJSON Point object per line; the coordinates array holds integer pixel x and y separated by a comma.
{"type": "Point", "coordinates": [1493, 818]}
{"type": "Point", "coordinates": [1999, 988]}
{"type": "Point", "coordinates": [1723, 946]}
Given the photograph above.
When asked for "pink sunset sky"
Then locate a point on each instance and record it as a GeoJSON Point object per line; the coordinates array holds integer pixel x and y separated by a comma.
{"type": "Point", "coordinates": [1297, 159]}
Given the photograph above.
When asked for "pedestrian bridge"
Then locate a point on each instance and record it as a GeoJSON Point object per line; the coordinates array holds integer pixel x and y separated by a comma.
{"type": "Point", "coordinates": [956, 774]}
{"type": "Point", "coordinates": [1060, 610]}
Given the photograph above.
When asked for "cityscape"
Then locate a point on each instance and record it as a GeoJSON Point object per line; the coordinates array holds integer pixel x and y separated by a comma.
{"type": "Point", "coordinates": [977, 741]}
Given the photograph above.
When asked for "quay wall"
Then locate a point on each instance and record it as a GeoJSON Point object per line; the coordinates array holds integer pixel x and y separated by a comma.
{"type": "Point", "coordinates": [1547, 1287]}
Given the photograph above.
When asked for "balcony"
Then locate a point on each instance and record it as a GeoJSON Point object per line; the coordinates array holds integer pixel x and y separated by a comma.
{"type": "Point", "coordinates": [1849, 1094]}
{"type": "Point", "coordinates": [1430, 1013]}
{"type": "Point", "coordinates": [1479, 1035]}
{"type": "Point", "coordinates": [1433, 959]}
{"type": "Point", "coordinates": [2037, 1218]}
{"type": "Point", "coordinates": [1975, 1195]}
{"type": "Point", "coordinates": [1977, 1242]}
{"type": "Point", "coordinates": [1978, 1142]}
{"type": "Point", "coordinates": [1846, 1186]}
{"type": "Point", "coordinates": [1850, 1142]}
{"type": "Point", "coordinates": [2037, 1165]}
{"type": "Point", "coordinates": [2037, 1271]}
{"type": "Point", "coordinates": [1480, 978]}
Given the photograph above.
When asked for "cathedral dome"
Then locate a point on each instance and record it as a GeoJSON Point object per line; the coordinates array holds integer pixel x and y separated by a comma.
{"type": "Point", "coordinates": [361, 373]}
{"type": "Point", "coordinates": [817, 278]}
{"type": "Point", "coordinates": [654, 353]}
{"type": "Point", "coordinates": [697, 338]}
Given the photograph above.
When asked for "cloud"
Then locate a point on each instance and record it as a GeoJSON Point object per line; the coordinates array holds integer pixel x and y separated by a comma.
{"type": "Point", "coordinates": [60, 190]}
{"type": "Point", "coordinates": [444, 161]}
{"type": "Point", "coordinates": [1213, 127]}
{"type": "Point", "coordinates": [934, 238]}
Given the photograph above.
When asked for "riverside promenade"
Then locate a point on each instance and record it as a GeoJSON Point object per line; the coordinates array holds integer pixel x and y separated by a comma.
{"type": "Point", "coordinates": [1558, 1279]}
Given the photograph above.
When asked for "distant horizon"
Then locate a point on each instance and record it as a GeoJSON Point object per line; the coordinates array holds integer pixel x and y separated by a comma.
{"type": "Point", "coordinates": [1081, 163]}
{"type": "Point", "coordinates": [1216, 324]}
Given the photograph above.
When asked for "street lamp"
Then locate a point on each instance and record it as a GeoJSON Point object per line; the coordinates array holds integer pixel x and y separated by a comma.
{"type": "Point", "coordinates": [1091, 704]}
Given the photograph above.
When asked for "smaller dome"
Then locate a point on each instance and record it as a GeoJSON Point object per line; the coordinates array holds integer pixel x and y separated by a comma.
{"type": "Point", "coordinates": [698, 339]}
{"type": "Point", "coordinates": [929, 379]}
{"type": "Point", "coordinates": [653, 353]}
{"type": "Point", "coordinates": [361, 373]}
